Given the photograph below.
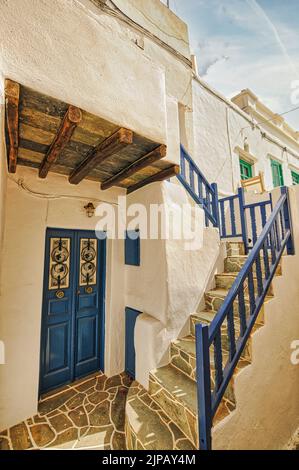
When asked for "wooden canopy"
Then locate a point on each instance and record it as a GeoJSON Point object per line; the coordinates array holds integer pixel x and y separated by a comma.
{"type": "Point", "coordinates": [53, 136]}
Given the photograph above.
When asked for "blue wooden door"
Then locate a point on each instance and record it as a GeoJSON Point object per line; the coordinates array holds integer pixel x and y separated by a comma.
{"type": "Point", "coordinates": [72, 340]}
{"type": "Point", "coordinates": [131, 317]}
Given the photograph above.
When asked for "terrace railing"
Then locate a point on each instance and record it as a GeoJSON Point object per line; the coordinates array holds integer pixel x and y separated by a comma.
{"type": "Point", "coordinates": [262, 263]}
{"type": "Point", "coordinates": [234, 208]}
{"type": "Point", "coordinates": [203, 193]}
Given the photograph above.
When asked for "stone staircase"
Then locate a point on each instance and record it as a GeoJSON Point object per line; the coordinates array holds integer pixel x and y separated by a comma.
{"type": "Point", "coordinates": [170, 405]}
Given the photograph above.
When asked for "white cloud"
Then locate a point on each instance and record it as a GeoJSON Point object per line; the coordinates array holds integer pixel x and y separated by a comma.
{"type": "Point", "coordinates": [239, 46]}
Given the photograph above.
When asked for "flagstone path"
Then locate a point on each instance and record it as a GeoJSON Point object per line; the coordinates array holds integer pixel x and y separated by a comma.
{"type": "Point", "coordinates": [88, 414]}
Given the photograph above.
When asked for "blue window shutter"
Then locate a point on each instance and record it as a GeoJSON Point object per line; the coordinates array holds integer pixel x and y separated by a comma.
{"type": "Point", "coordinates": [132, 248]}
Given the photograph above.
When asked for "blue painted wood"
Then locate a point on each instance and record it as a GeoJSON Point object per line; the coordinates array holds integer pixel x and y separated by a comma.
{"type": "Point", "coordinates": [130, 320]}
{"type": "Point", "coordinates": [288, 222]}
{"type": "Point", "coordinates": [89, 316]}
{"type": "Point", "coordinates": [263, 214]}
{"type": "Point", "coordinates": [244, 227]}
{"type": "Point", "coordinates": [73, 327]}
{"type": "Point", "coordinates": [132, 248]}
{"type": "Point", "coordinates": [218, 361]}
{"type": "Point", "coordinates": [251, 290]}
{"type": "Point", "coordinates": [215, 205]}
{"type": "Point", "coordinates": [232, 217]}
{"type": "Point", "coordinates": [259, 274]}
{"type": "Point", "coordinates": [266, 259]}
{"type": "Point", "coordinates": [203, 376]}
{"type": "Point", "coordinates": [205, 195]}
{"type": "Point", "coordinates": [191, 177]}
{"type": "Point", "coordinates": [206, 336]}
{"type": "Point", "coordinates": [253, 224]}
{"type": "Point", "coordinates": [223, 222]}
{"type": "Point", "coordinates": [242, 311]}
{"type": "Point", "coordinates": [231, 334]}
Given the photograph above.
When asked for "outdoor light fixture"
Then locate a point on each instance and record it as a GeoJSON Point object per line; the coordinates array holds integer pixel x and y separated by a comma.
{"type": "Point", "coordinates": [90, 209]}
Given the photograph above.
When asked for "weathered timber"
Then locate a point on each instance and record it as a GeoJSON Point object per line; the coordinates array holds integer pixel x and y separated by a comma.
{"type": "Point", "coordinates": [12, 96]}
{"type": "Point", "coordinates": [162, 175]}
{"type": "Point", "coordinates": [140, 164]}
{"type": "Point", "coordinates": [101, 152]}
{"type": "Point", "coordinates": [70, 121]}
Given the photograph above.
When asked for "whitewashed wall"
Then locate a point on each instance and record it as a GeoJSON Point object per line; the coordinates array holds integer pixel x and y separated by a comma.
{"type": "Point", "coordinates": [27, 218]}
{"type": "Point", "coordinates": [219, 129]}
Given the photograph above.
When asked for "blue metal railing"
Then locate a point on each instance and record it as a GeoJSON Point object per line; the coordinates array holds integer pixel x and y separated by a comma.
{"type": "Point", "coordinates": [267, 251]}
{"type": "Point", "coordinates": [203, 193]}
{"type": "Point", "coordinates": [232, 206]}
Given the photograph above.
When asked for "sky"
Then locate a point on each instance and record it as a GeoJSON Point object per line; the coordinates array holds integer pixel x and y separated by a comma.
{"type": "Point", "coordinates": [247, 44]}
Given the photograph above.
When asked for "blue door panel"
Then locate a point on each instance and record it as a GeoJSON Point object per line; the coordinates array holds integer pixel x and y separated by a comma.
{"type": "Point", "coordinates": [57, 352]}
{"type": "Point", "coordinates": [87, 302]}
{"type": "Point", "coordinates": [59, 307]}
{"type": "Point", "coordinates": [131, 317]}
{"type": "Point", "coordinates": [86, 339]}
{"type": "Point", "coordinates": [72, 339]}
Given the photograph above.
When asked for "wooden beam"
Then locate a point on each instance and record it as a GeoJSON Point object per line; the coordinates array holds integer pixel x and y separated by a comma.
{"type": "Point", "coordinates": [143, 162]}
{"type": "Point", "coordinates": [69, 123]}
{"type": "Point", "coordinates": [113, 144]}
{"type": "Point", "coordinates": [12, 97]}
{"type": "Point", "coordinates": [162, 175]}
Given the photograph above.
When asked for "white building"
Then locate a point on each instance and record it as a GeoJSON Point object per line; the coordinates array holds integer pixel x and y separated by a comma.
{"type": "Point", "coordinates": [123, 65]}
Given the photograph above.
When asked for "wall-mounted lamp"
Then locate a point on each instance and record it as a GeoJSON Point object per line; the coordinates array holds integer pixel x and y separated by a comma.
{"type": "Point", "coordinates": [90, 209]}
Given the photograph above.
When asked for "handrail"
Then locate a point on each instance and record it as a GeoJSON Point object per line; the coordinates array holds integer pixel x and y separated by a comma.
{"type": "Point", "coordinates": [196, 184]}
{"type": "Point", "coordinates": [275, 237]}
{"type": "Point", "coordinates": [228, 206]}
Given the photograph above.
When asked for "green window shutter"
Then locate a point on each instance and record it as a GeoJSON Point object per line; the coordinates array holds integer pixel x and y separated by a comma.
{"type": "Point", "coordinates": [295, 177]}
{"type": "Point", "coordinates": [245, 170]}
{"type": "Point", "coordinates": [277, 174]}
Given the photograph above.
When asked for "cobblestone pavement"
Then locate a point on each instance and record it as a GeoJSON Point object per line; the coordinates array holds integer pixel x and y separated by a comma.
{"type": "Point", "coordinates": [88, 414]}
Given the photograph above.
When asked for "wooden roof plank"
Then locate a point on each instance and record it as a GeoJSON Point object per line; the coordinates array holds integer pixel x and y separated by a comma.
{"type": "Point", "coordinates": [141, 163]}
{"type": "Point", "coordinates": [120, 139]}
{"type": "Point", "coordinates": [71, 119]}
{"type": "Point", "coordinates": [12, 97]}
{"type": "Point", "coordinates": [173, 170]}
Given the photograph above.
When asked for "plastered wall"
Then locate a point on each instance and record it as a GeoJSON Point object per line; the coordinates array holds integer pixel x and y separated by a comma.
{"type": "Point", "coordinates": [170, 282]}
{"type": "Point", "coordinates": [218, 132]}
{"type": "Point", "coordinates": [27, 218]}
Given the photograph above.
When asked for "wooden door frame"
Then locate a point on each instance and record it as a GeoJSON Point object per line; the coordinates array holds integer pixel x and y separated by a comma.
{"type": "Point", "coordinates": [102, 254]}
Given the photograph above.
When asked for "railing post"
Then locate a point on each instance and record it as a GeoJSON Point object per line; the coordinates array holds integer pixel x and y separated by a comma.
{"type": "Point", "coordinates": [203, 375]}
{"type": "Point", "coordinates": [288, 221]}
{"type": "Point", "coordinates": [215, 205]}
{"type": "Point", "coordinates": [241, 196]}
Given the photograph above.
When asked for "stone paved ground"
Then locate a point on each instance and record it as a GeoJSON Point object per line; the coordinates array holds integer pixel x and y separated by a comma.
{"type": "Point", "coordinates": [294, 442]}
{"type": "Point", "coordinates": [88, 414]}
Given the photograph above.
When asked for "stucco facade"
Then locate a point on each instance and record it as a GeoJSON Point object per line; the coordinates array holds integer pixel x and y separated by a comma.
{"type": "Point", "coordinates": [133, 68]}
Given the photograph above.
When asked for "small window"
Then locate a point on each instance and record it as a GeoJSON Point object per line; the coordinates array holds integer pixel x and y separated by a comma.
{"type": "Point", "coordinates": [277, 173]}
{"type": "Point", "coordinates": [295, 177]}
{"type": "Point", "coordinates": [132, 248]}
{"type": "Point", "coordinates": [245, 170]}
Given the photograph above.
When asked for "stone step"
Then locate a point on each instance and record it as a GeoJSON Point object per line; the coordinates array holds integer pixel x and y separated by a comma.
{"type": "Point", "coordinates": [215, 298]}
{"type": "Point", "coordinates": [177, 395]}
{"type": "Point", "coordinates": [182, 352]}
{"type": "Point", "coordinates": [147, 427]}
{"type": "Point", "coordinates": [207, 317]}
{"type": "Point", "coordinates": [226, 280]}
{"type": "Point", "coordinates": [235, 248]}
{"type": "Point", "coordinates": [233, 264]}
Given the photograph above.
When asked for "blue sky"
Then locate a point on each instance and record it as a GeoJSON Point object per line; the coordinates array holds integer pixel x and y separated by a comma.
{"type": "Point", "coordinates": [247, 44]}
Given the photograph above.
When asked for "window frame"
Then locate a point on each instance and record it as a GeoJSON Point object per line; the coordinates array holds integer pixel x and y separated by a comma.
{"type": "Point", "coordinates": [249, 166]}
{"type": "Point", "coordinates": [280, 182]}
{"type": "Point", "coordinates": [295, 177]}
